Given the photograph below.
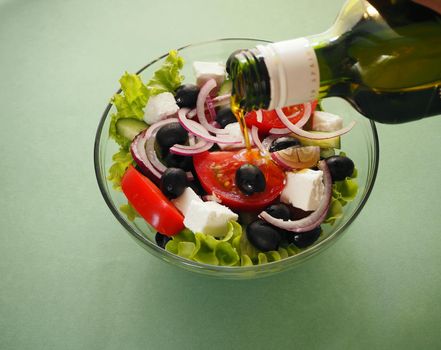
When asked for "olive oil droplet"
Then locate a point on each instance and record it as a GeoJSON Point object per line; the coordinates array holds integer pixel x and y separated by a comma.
{"type": "Point", "coordinates": [239, 113]}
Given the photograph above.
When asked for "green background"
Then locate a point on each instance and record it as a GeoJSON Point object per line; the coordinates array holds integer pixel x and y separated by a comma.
{"type": "Point", "coordinates": [71, 278]}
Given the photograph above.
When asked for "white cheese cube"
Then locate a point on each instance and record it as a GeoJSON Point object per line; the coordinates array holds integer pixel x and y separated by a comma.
{"type": "Point", "coordinates": [234, 132]}
{"type": "Point", "coordinates": [208, 217]}
{"type": "Point", "coordinates": [184, 200]}
{"type": "Point", "coordinates": [160, 107]}
{"type": "Point", "coordinates": [304, 189]}
{"type": "Point", "coordinates": [324, 121]}
{"type": "Point", "coordinates": [205, 71]}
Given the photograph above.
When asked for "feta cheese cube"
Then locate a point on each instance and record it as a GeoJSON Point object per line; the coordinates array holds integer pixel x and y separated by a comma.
{"type": "Point", "coordinates": [304, 189]}
{"type": "Point", "coordinates": [160, 107]}
{"type": "Point", "coordinates": [205, 71]}
{"type": "Point", "coordinates": [324, 121]}
{"type": "Point", "coordinates": [208, 217]}
{"type": "Point", "coordinates": [235, 133]}
{"type": "Point", "coordinates": [184, 200]}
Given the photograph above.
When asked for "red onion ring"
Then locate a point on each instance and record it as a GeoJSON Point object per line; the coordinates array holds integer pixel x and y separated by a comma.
{"type": "Point", "coordinates": [137, 149]}
{"type": "Point", "coordinates": [290, 165]}
{"type": "Point", "coordinates": [199, 147]}
{"type": "Point", "coordinates": [210, 108]}
{"type": "Point", "coordinates": [200, 131]}
{"type": "Point", "coordinates": [256, 140]}
{"type": "Point", "coordinates": [309, 135]}
{"type": "Point", "coordinates": [267, 141]}
{"type": "Point", "coordinates": [314, 219]}
{"type": "Point", "coordinates": [200, 107]}
{"type": "Point", "coordinates": [149, 147]}
{"type": "Point", "coordinates": [307, 108]}
{"type": "Point", "coordinates": [259, 116]}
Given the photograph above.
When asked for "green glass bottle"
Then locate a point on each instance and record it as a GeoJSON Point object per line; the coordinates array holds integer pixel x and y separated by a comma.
{"type": "Point", "coordinates": [383, 56]}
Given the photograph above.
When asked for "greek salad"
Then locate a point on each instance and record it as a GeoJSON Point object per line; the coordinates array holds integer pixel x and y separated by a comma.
{"type": "Point", "coordinates": [186, 169]}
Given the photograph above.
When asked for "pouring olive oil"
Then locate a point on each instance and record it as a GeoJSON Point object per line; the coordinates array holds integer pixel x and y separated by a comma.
{"type": "Point", "coordinates": [382, 56]}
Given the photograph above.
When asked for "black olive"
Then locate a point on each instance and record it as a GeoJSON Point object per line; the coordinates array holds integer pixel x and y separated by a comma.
{"type": "Point", "coordinates": [263, 236]}
{"type": "Point", "coordinates": [225, 116]}
{"type": "Point", "coordinates": [176, 161]}
{"type": "Point", "coordinates": [250, 179]}
{"type": "Point", "coordinates": [169, 135]}
{"type": "Point", "coordinates": [187, 95]}
{"type": "Point", "coordinates": [340, 167]}
{"type": "Point", "coordinates": [230, 58]}
{"type": "Point", "coordinates": [283, 142]}
{"type": "Point", "coordinates": [279, 211]}
{"type": "Point", "coordinates": [161, 240]}
{"type": "Point", "coordinates": [173, 182]}
{"type": "Point", "coordinates": [303, 239]}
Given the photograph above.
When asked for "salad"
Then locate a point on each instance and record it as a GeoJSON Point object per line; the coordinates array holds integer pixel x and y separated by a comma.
{"type": "Point", "coordinates": [219, 190]}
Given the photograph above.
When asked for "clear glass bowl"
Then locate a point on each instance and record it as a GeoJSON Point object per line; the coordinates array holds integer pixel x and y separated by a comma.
{"type": "Point", "coordinates": [361, 145]}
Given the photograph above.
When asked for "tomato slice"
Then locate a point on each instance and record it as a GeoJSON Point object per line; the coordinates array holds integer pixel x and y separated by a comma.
{"type": "Point", "coordinates": [217, 171]}
{"type": "Point", "coordinates": [150, 203]}
{"type": "Point", "coordinates": [271, 120]}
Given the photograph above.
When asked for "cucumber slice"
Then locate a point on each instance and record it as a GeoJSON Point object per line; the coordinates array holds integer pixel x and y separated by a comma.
{"type": "Point", "coordinates": [226, 87]}
{"type": "Point", "coordinates": [130, 127]}
{"type": "Point", "coordinates": [328, 143]}
{"type": "Point", "coordinates": [327, 152]}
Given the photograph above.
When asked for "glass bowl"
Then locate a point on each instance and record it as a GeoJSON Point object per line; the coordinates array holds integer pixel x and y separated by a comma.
{"type": "Point", "coordinates": [361, 145]}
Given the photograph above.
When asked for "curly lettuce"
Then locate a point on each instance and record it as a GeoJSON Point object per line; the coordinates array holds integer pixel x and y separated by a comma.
{"type": "Point", "coordinates": [129, 211]}
{"type": "Point", "coordinates": [130, 103]}
{"type": "Point", "coordinates": [233, 250]}
{"type": "Point", "coordinates": [205, 248]}
{"type": "Point", "coordinates": [121, 161]}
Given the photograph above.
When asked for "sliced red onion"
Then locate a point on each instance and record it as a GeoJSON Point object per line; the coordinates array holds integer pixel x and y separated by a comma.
{"type": "Point", "coordinates": [255, 137]}
{"type": "Point", "coordinates": [199, 131]}
{"type": "Point", "coordinates": [267, 141]}
{"type": "Point", "coordinates": [149, 148]}
{"type": "Point", "coordinates": [192, 113]}
{"type": "Point", "coordinates": [312, 220]}
{"type": "Point", "coordinates": [200, 147]}
{"type": "Point", "coordinates": [210, 108]}
{"type": "Point", "coordinates": [218, 101]}
{"type": "Point", "coordinates": [200, 107]}
{"type": "Point", "coordinates": [290, 164]}
{"type": "Point", "coordinates": [309, 135]}
{"type": "Point", "coordinates": [307, 108]}
{"type": "Point", "coordinates": [259, 116]}
{"type": "Point", "coordinates": [154, 160]}
{"type": "Point", "coordinates": [221, 100]}
{"type": "Point", "coordinates": [191, 140]}
{"type": "Point", "coordinates": [137, 149]}
{"type": "Point", "coordinates": [152, 157]}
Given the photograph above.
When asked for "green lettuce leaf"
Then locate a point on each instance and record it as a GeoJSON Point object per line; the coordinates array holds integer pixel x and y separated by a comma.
{"type": "Point", "coordinates": [130, 212]}
{"type": "Point", "coordinates": [226, 254]}
{"type": "Point", "coordinates": [130, 103]}
{"type": "Point", "coordinates": [168, 77]}
{"type": "Point", "coordinates": [233, 250]}
{"type": "Point", "coordinates": [121, 161]}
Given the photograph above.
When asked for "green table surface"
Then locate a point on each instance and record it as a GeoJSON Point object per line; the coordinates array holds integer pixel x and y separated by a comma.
{"type": "Point", "coordinates": [70, 276]}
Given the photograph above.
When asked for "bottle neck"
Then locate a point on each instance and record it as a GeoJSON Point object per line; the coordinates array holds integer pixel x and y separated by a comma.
{"type": "Point", "coordinates": [251, 81]}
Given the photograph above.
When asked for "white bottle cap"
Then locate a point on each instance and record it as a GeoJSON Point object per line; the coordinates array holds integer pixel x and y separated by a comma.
{"type": "Point", "coordinates": [293, 72]}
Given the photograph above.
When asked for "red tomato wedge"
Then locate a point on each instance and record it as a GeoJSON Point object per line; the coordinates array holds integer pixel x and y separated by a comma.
{"type": "Point", "coordinates": [217, 171]}
{"type": "Point", "coordinates": [150, 203]}
{"type": "Point", "coordinates": [271, 120]}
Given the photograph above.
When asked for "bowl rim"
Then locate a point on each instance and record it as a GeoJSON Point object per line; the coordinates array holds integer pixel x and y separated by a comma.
{"type": "Point", "coordinates": [162, 253]}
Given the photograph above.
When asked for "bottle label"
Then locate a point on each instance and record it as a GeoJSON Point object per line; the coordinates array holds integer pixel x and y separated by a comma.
{"type": "Point", "coordinates": [293, 71]}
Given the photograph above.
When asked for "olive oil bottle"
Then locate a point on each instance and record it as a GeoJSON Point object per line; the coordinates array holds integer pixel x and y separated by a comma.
{"type": "Point", "coordinates": [383, 56]}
